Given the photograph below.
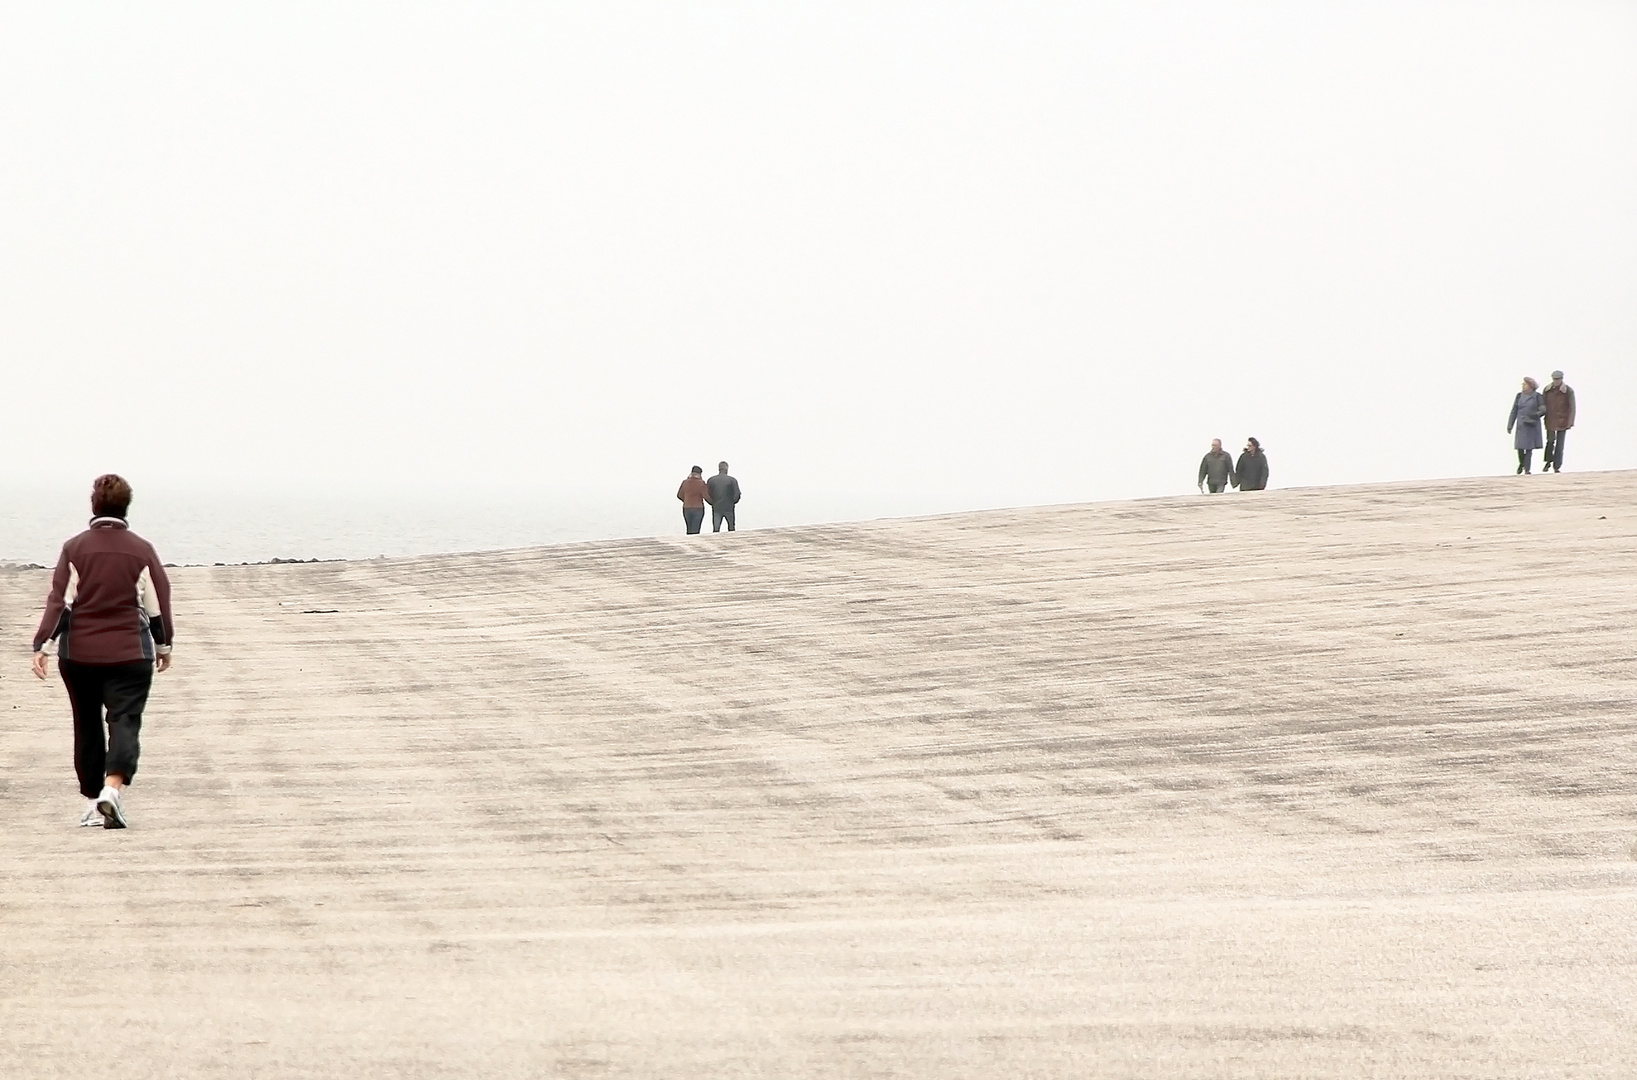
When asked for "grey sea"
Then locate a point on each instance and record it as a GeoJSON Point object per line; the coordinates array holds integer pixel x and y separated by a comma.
{"type": "Point", "coordinates": [209, 527]}
{"type": "Point", "coordinates": [201, 527]}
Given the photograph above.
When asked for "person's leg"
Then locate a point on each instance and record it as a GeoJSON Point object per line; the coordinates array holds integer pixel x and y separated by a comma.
{"type": "Point", "coordinates": [1546, 452]}
{"type": "Point", "coordinates": [729, 515]}
{"type": "Point", "coordinates": [1557, 451]}
{"type": "Point", "coordinates": [693, 518]}
{"type": "Point", "coordinates": [1520, 462]}
{"type": "Point", "coordinates": [716, 519]}
{"type": "Point", "coordinates": [84, 684]}
{"type": "Point", "coordinates": [125, 691]}
{"type": "Point", "coordinates": [1528, 462]}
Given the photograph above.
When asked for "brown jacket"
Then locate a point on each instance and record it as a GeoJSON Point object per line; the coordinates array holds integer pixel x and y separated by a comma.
{"type": "Point", "coordinates": [1559, 400]}
{"type": "Point", "coordinates": [692, 493]}
{"type": "Point", "coordinates": [110, 600]}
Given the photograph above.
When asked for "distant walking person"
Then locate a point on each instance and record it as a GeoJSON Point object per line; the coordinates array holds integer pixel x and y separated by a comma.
{"type": "Point", "coordinates": [722, 492]}
{"type": "Point", "coordinates": [1252, 470]}
{"type": "Point", "coordinates": [1527, 409]}
{"type": "Point", "coordinates": [1559, 400]}
{"type": "Point", "coordinates": [693, 493]}
{"type": "Point", "coordinates": [1216, 469]}
{"type": "Point", "coordinates": [110, 612]}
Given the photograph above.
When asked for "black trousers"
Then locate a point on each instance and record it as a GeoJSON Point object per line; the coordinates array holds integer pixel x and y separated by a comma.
{"type": "Point", "coordinates": [692, 518]}
{"type": "Point", "coordinates": [720, 514]}
{"type": "Point", "coordinates": [122, 689]}
{"type": "Point", "coordinates": [1554, 450]}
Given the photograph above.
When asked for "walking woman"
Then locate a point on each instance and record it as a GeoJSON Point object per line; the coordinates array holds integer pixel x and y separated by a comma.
{"type": "Point", "coordinates": [1251, 474]}
{"type": "Point", "coordinates": [110, 613]}
{"type": "Point", "coordinates": [1527, 409]}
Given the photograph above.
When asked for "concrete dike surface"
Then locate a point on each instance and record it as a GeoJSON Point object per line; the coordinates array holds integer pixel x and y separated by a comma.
{"type": "Point", "coordinates": [1320, 783]}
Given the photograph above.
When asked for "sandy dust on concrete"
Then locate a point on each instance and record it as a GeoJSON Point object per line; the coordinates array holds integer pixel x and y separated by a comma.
{"type": "Point", "coordinates": [1331, 783]}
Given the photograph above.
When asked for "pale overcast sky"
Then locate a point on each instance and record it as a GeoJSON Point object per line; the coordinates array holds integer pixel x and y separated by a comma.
{"type": "Point", "coordinates": [879, 255]}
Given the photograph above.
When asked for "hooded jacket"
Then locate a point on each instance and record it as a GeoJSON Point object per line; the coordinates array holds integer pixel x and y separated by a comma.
{"type": "Point", "coordinates": [1252, 471]}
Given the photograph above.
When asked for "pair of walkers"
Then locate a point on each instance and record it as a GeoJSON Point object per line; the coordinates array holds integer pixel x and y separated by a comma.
{"type": "Point", "coordinates": [1541, 419]}
{"type": "Point", "coordinates": [1218, 470]}
{"type": "Point", "coordinates": [720, 493]}
{"type": "Point", "coordinates": [109, 611]}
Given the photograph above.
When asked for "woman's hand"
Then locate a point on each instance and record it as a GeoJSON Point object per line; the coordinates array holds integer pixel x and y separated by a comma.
{"type": "Point", "coordinates": [38, 664]}
{"type": "Point", "coordinates": [164, 662]}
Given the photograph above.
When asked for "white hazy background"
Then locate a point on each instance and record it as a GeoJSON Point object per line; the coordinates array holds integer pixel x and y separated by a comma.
{"type": "Point", "coordinates": [521, 264]}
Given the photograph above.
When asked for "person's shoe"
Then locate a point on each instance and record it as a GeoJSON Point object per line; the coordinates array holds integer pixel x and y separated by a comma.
{"type": "Point", "coordinates": [92, 818]}
{"type": "Point", "coordinates": [113, 815]}
{"type": "Point", "coordinates": [1520, 470]}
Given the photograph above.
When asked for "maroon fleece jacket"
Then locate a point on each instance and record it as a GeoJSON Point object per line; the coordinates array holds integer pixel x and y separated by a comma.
{"type": "Point", "coordinates": [110, 599]}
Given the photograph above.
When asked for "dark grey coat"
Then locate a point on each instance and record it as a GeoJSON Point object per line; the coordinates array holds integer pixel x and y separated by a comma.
{"type": "Point", "coordinates": [1527, 409]}
{"type": "Point", "coordinates": [722, 491]}
{"type": "Point", "coordinates": [1252, 471]}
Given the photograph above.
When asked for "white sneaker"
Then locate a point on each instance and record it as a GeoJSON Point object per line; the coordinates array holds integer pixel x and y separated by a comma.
{"type": "Point", "coordinates": [113, 816]}
{"type": "Point", "coordinates": [92, 817]}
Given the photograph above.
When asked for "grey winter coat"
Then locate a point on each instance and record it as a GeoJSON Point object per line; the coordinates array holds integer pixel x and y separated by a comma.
{"type": "Point", "coordinates": [1527, 409]}
{"type": "Point", "coordinates": [722, 491]}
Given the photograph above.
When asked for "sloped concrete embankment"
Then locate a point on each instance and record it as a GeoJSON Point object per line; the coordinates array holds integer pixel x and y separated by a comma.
{"type": "Point", "coordinates": [1319, 783]}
